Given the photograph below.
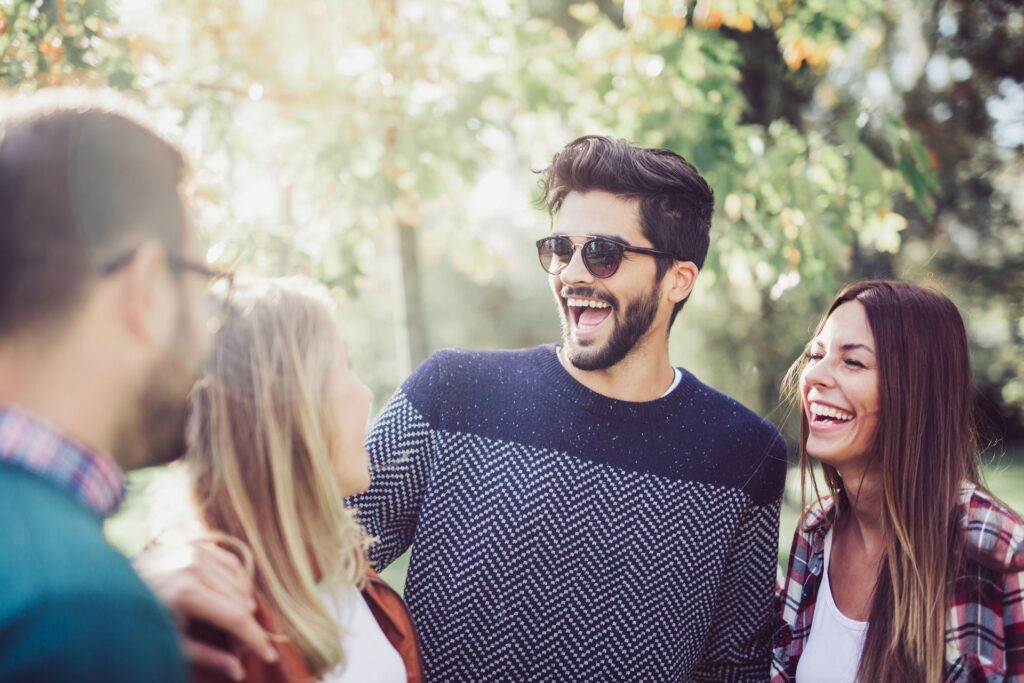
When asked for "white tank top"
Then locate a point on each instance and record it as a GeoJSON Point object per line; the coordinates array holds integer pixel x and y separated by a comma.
{"type": "Point", "coordinates": [369, 655]}
{"type": "Point", "coordinates": [833, 648]}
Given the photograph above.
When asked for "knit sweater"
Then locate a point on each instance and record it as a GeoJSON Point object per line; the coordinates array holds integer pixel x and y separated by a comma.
{"type": "Point", "coordinates": [561, 535]}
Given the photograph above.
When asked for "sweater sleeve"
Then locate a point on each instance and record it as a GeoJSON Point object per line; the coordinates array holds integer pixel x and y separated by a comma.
{"type": "Point", "coordinates": [401, 445]}
{"type": "Point", "coordinates": [739, 645]}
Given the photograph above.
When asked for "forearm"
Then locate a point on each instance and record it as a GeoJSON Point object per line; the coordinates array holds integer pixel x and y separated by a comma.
{"type": "Point", "coordinates": [401, 444]}
{"type": "Point", "coordinates": [740, 641]}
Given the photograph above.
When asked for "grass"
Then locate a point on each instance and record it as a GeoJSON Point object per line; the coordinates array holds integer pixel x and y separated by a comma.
{"type": "Point", "coordinates": [128, 530]}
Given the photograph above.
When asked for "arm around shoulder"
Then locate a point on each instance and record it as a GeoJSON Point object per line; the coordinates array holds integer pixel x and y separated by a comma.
{"type": "Point", "coordinates": [401, 443]}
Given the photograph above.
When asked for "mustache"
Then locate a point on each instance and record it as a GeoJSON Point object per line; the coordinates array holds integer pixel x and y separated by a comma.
{"type": "Point", "coordinates": [587, 293]}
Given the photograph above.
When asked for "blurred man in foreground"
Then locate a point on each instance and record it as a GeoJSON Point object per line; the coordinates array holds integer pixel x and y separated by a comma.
{"type": "Point", "coordinates": [104, 316]}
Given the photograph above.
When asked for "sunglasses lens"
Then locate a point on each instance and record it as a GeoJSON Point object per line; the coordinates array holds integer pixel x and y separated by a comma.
{"type": "Point", "coordinates": [602, 257]}
{"type": "Point", "coordinates": [555, 253]}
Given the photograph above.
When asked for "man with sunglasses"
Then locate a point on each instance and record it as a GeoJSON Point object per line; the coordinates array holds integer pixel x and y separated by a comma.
{"type": "Point", "coordinates": [585, 511]}
{"type": "Point", "coordinates": [106, 306]}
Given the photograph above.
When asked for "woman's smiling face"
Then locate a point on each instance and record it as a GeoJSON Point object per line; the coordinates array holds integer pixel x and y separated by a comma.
{"type": "Point", "coordinates": [839, 389]}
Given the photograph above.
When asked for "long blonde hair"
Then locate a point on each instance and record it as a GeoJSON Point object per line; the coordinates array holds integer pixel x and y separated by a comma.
{"type": "Point", "coordinates": [262, 456]}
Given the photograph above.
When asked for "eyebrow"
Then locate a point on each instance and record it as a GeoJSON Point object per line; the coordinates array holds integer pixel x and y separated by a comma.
{"type": "Point", "coordinates": [846, 347]}
{"type": "Point", "coordinates": [853, 347]}
{"type": "Point", "coordinates": [613, 238]}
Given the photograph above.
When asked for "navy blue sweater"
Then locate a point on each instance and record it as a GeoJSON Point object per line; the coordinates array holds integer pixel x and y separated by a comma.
{"type": "Point", "coordinates": [560, 535]}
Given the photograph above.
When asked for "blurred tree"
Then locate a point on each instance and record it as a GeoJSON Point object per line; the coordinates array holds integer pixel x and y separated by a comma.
{"type": "Point", "coordinates": [363, 117]}
{"type": "Point", "coordinates": [352, 142]}
{"type": "Point", "coordinates": [965, 95]}
{"type": "Point", "coordinates": [806, 177]}
{"type": "Point", "coordinates": [55, 42]}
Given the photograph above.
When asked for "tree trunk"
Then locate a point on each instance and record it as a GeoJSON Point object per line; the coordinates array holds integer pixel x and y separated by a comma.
{"type": "Point", "coordinates": [412, 330]}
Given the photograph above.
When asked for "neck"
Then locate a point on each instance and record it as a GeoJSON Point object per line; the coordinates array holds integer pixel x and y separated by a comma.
{"type": "Point", "coordinates": [60, 386]}
{"type": "Point", "coordinates": [643, 375]}
{"type": "Point", "coordinates": [864, 494]}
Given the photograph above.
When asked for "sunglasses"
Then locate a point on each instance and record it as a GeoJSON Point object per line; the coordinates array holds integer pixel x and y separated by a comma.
{"type": "Point", "coordinates": [601, 255]}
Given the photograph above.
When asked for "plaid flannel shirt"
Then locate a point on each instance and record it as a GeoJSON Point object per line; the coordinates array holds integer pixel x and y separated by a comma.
{"type": "Point", "coordinates": [28, 442]}
{"type": "Point", "coordinates": [985, 627]}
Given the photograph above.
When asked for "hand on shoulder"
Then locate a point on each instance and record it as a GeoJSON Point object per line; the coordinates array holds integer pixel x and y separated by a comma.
{"type": "Point", "coordinates": [201, 582]}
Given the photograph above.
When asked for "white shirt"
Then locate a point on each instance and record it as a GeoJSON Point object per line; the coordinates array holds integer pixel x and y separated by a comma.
{"type": "Point", "coordinates": [834, 645]}
{"type": "Point", "coordinates": [369, 655]}
{"type": "Point", "coordinates": [675, 382]}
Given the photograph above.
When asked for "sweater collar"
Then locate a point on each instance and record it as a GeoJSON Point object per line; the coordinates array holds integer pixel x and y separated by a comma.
{"type": "Point", "coordinates": [599, 404]}
{"type": "Point", "coordinates": [27, 441]}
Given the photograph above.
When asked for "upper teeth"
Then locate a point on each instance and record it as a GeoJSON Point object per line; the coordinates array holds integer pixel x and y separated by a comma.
{"type": "Point", "coordinates": [829, 411]}
{"type": "Point", "coordinates": [587, 302]}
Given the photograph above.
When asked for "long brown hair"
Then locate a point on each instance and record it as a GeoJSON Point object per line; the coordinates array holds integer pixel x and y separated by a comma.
{"type": "Point", "coordinates": [925, 449]}
{"type": "Point", "coordinates": [263, 452]}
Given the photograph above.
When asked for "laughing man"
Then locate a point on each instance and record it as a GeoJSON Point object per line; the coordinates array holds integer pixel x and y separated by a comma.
{"type": "Point", "coordinates": [586, 511]}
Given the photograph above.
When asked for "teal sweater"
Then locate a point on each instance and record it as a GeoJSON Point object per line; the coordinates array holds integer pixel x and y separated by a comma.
{"type": "Point", "coordinates": [71, 607]}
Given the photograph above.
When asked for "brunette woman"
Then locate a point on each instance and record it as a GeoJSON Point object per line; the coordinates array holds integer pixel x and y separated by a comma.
{"type": "Point", "coordinates": [909, 569]}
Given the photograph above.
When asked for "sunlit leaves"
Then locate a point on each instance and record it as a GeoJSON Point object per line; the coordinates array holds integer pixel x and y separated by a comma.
{"type": "Point", "coordinates": [319, 127]}
{"type": "Point", "coordinates": [60, 42]}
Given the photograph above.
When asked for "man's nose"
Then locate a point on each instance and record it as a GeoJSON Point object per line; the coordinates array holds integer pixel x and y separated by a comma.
{"type": "Point", "coordinates": [575, 271]}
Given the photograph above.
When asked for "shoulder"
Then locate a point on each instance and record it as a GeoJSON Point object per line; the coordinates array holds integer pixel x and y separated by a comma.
{"type": "Point", "coordinates": [993, 532]}
{"type": "Point", "coordinates": [472, 363]}
{"type": "Point", "coordinates": [812, 525]}
{"type": "Point", "coordinates": [81, 613]}
{"type": "Point", "coordinates": [743, 440]}
{"type": "Point", "coordinates": [59, 541]}
{"type": "Point", "coordinates": [471, 376]}
{"type": "Point", "coordinates": [62, 564]}
{"type": "Point", "coordinates": [734, 415]}
{"type": "Point", "coordinates": [814, 522]}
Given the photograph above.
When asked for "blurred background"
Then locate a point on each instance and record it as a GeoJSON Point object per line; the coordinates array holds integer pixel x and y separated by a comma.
{"type": "Point", "coordinates": [389, 148]}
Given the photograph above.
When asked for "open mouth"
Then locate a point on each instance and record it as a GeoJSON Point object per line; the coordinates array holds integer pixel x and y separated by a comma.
{"type": "Point", "coordinates": [824, 414]}
{"type": "Point", "coordinates": [588, 314]}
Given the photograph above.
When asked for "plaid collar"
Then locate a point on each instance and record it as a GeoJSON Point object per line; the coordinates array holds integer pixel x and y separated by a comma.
{"type": "Point", "coordinates": [985, 625]}
{"type": "Point", "coordinates": [34, 445]}
{"type": "Point", "coordinates": [992, 531]}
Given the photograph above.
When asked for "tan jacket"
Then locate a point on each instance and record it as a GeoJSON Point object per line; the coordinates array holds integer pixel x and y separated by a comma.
{"type": "Point", "coordinates": [388, 609]}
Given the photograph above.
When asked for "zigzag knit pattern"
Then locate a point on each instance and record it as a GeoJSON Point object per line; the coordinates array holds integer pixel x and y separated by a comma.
{"type": "Point", "coordinates": [559, 535]}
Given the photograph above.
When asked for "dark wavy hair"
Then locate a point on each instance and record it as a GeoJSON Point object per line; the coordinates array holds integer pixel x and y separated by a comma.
{"type": "Point", "coordinates": [675, 201]}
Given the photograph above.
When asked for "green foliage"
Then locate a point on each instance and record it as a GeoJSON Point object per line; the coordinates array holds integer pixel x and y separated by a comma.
{"type": "Point", "coordinates": [321, 134]}
{"type": "Point", "coordinates": [55, 42]}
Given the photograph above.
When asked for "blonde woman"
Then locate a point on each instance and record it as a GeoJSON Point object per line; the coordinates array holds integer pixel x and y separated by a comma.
{"type": "Point", "coordinates": [276, 444]}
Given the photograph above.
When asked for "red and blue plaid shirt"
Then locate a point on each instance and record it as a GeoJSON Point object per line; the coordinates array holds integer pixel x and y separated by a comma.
{"type": "Point", "coordinates": [28, 442]}
{"type": "Point", "coordinates": [985, 627]}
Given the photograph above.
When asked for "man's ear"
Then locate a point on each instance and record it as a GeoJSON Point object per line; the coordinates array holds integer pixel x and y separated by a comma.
{"type": "Point", "coordinates": [145, 297]}
{"type": "Point", "coordinates": [680, 280]}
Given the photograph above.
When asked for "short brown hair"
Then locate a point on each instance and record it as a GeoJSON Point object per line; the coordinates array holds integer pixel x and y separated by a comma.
{"type": "Point", "coordinates": [83, 180]}
{"type": "Point", "coordinates": [675, 201]}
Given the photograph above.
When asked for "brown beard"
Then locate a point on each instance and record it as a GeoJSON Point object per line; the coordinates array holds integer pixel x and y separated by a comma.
{"type": "Point", "coordinates": [155, 432]}
{"type": "Point", "coordinates": [163, 413]}
{"type": "Point", "coordinates": [636, 320]}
